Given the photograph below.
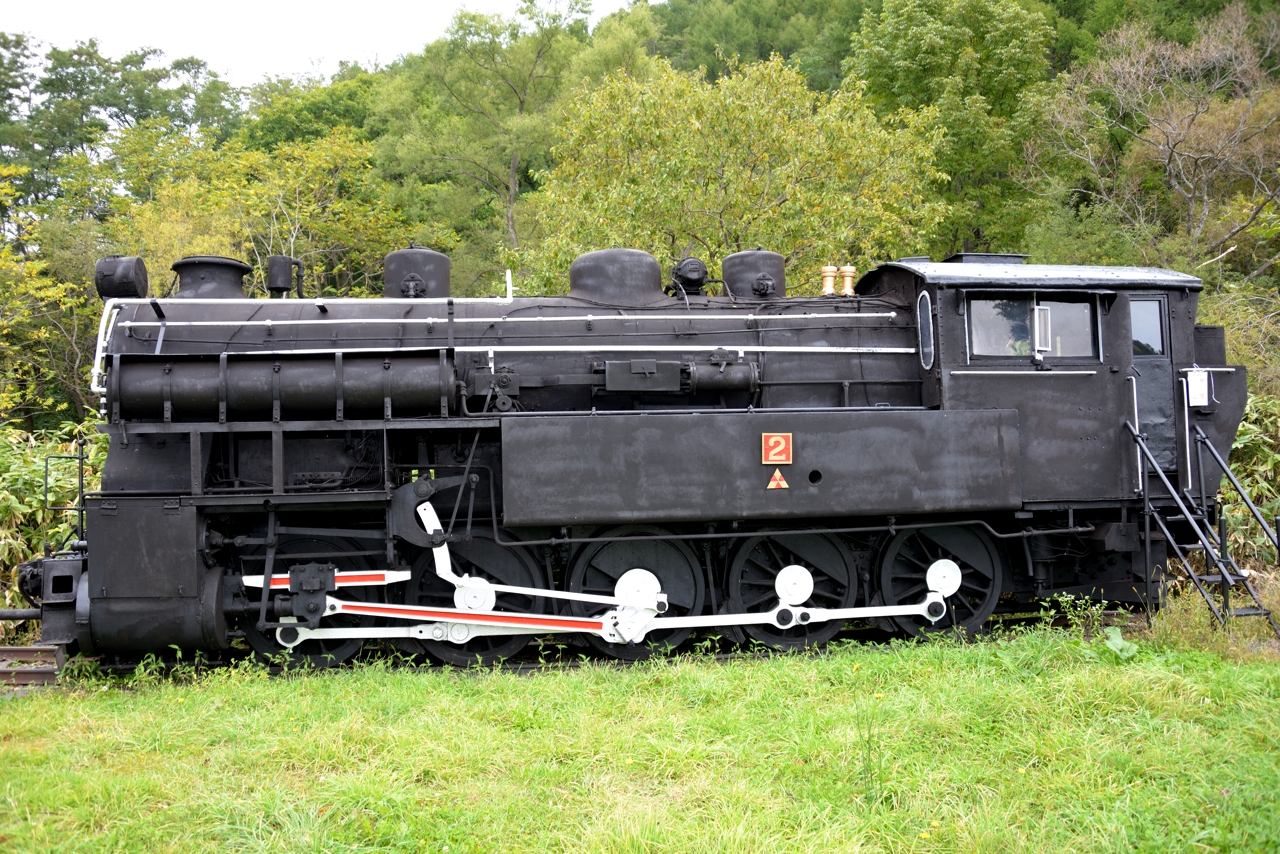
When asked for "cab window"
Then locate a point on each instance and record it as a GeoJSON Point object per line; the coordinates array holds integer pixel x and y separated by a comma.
{"type": "Point", "coordinates": [1051, 326]}
{"type": "Point", "coordinates": [1066, 328]}
{"type": "Point", "coordinates": [1148, 327]}
{"type": "Point", "coordinates": [1000, 327]}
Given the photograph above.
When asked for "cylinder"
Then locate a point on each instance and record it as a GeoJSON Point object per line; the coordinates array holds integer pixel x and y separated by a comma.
{"type": "Point", "coordinates": [743, 376]}
{"type": "Point", "coordinates": [120, 276]}
{"type": "Point", "coordinates": [415, 273]}
{"type": "Point", "coordinates": [19, 613]}
{"type": "Point", "coordinates": [306, 387]}
{"type": "Point", "coordinates": [755, 274]}
{"type": "Point", "coordinates": [210, 277]}
{"type": "Point", "coordinates": [626, 277]}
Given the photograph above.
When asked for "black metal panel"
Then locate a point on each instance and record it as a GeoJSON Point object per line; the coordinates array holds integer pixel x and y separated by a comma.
{"type": "Point", "coordinates": [1219, 421]}
{"type": "Point", "coordinates": [1156, 409]}
{"type": "Point", "coordinates": [668, 467]}
{"type": "Point", "coordinates": [1210, 345]}
{"type": "Point", "coordinates": [154, 463]}
{"type": "Point", "coordinates": [642, 375]}
{"type": "Point", "coordinates": [1073, 443]}
{"type": "Point", "coordinates": [142, 548]}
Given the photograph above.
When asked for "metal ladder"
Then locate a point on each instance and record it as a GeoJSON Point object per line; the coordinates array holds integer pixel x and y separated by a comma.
{"type": "Point", "coordinates": [1221, 568]}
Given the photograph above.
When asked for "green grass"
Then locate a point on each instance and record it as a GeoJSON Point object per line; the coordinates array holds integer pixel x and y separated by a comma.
{"type": "Point", "coordinates": [1040, 743]}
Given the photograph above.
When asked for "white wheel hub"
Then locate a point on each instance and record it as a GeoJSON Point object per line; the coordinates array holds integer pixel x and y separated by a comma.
{"type": "Point", "coordinates": [943, 577]}
{"type": "Point", "coordinates": [794, 585]}
{"type": "Point", "coordinates": [638, 587]}
{"type": "Point", "coordinates": [474, 594]}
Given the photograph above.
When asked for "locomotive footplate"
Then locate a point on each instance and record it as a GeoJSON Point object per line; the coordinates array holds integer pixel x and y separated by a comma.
{"type": "Point", "coordinates": [638, 605]}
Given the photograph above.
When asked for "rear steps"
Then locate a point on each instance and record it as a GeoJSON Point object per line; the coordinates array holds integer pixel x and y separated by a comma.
{"type": "Point", "coordinates": [1223, 569]}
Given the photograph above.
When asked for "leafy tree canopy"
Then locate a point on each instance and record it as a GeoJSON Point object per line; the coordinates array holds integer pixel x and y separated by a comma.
{"type": "Point", "coordinates": [676, 165]}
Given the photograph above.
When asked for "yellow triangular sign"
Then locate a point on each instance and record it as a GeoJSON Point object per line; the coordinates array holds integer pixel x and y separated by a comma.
{"type": "Point", "coordinates": [777, 481]}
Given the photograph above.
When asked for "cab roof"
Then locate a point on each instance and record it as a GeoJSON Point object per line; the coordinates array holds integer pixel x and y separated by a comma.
{"type": "Point", "coordinates": [946, 274]}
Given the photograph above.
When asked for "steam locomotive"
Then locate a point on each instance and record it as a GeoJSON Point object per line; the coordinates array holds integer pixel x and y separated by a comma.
{"type": "Point", "coordinates": [631, 464]}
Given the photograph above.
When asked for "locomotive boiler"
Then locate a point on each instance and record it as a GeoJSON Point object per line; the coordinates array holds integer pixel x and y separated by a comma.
{"type": "Point", "coordinates": [635, 462]}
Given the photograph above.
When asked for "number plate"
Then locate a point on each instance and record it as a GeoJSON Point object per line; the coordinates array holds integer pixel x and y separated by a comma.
{"type": "Point", "coordinates": [775, 449]}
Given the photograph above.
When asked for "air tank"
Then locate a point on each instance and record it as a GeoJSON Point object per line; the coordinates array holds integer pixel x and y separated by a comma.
{"type": "Point", "coordinates": [415, 273]}
{"type": "Point", "coordinates": [210, 277]}
{"type": "Point", "coordinates": [755, 274]}
{"type": "Point", "coordinates": [616, 277]}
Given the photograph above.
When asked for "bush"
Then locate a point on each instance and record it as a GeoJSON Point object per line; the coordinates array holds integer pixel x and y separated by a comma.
{"type": "Point", "coordinates": [1255, 460]}
{"type": "Point", "coordinates": [26, 526]}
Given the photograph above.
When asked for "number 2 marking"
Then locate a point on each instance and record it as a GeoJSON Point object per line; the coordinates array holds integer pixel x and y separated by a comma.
{"type": "Point", "coordinates": [775, 449]}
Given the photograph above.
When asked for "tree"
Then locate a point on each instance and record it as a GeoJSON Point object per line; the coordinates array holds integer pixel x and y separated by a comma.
{"type": "Point", "coordinates": [290, 112]}
{"type": "Point", "coordinates": [66, 103]}
{"type": "Point", "coordinates": [710, 34]}
{"type": "Point", "coordinates": [1180, 139]}
{"type": "Point", "coordinates": [675, 165]}
{"type": "Point", "coordinates": [983, 64]}
{"type": "Point", "coordinates": [489, 86]}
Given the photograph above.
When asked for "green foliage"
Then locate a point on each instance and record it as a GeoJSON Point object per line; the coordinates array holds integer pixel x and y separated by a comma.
{"type": "Point", "coordinates": [475, 108]}
{"type": "Point", "coordinates": [290, 112]}
{"type": "Point", "coordinates": [26, 527]}
{"type": "Point", "coordinates": [982, 65]}
{"type": "Point", "coordinates": [676, 165]}
{"type": "Point", "coordinates": [67, 101]}
{"type": "Point", "coordinates": [1123, 649]}
{"type": "Point", "coordinates": [713, 34]}
{"type": "Point", "coordinates": [1248, 311]}
{"type": "Point", "coordinates": [1061, 234]}
{"type": "Point", "coordinates": [1255, 461]}
{"type": "Point", "coordinates": [1178, 141]}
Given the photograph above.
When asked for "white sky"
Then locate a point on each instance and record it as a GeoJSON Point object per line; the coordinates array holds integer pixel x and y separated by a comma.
{"type": "Point", "coordinates": [243, 40]}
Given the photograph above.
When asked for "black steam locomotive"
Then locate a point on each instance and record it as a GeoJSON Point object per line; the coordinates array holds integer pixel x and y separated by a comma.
{"type": "Point", "coordinates": [632, 463]}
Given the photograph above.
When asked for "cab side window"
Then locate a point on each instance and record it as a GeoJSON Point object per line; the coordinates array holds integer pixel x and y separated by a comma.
{"type": "Point", "coordinates": [1000, 327]}
{"type": "Point", "coordinates": [1066, 328]}
{"type": "Point", "coordinates": [1046, 325]}
{"type": "Point", "coordinates": [1147, 318]}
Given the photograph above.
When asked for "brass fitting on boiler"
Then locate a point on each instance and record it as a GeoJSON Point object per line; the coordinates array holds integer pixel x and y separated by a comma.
{"type": "Point", "coordinates": [829, 281]}
{"type": "Point", "coordinates": [847, 275]}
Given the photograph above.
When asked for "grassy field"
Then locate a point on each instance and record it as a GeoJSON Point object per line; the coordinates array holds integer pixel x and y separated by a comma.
{"type": "Point", "coordinates": [1041, 742]}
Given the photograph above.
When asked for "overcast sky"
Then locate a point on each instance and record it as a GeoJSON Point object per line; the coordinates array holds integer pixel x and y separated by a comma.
{"type": "Point", "coordinates": [244, 40]}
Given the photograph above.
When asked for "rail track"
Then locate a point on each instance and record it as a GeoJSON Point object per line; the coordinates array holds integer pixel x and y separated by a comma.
{"type": "Point", "coordinates": [26, 666]}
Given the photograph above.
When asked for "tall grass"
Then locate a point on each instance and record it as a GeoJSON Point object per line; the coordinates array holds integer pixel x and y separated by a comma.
{"type": "Point", "coordinates": [1035, 741]}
